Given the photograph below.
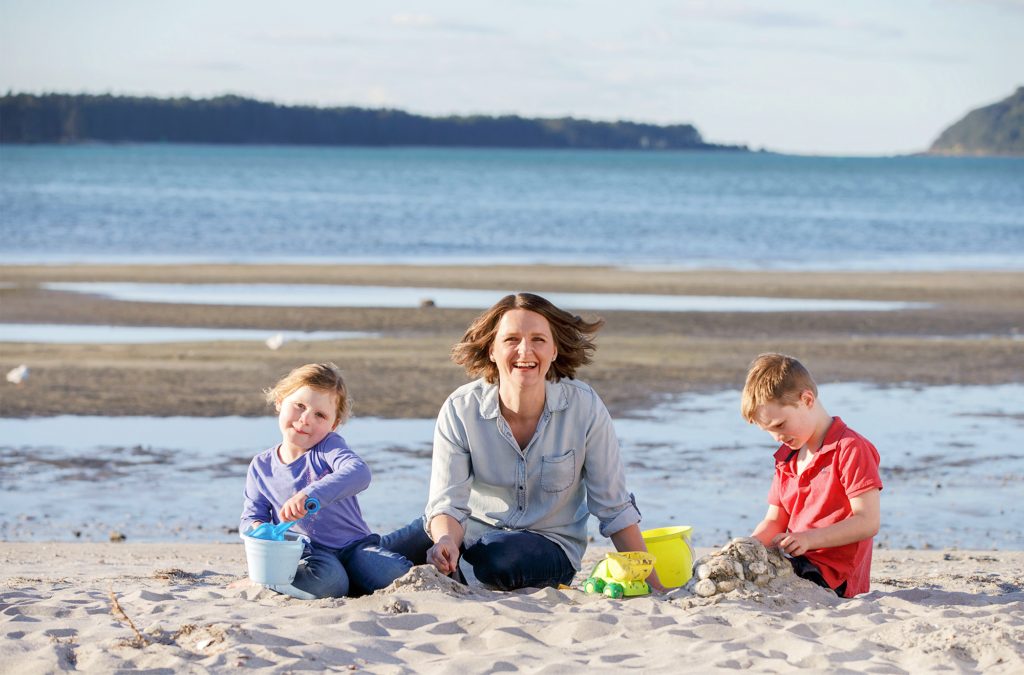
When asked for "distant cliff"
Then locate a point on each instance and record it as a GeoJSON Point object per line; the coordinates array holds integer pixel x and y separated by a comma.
{"type": "Point", "coordinates": [996, 129]}
{"type": "Point", "coordinates": [66, 118]}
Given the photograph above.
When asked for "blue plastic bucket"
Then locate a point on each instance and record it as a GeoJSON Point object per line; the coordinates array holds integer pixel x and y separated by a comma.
{"type": "Point", "coordinates": [273, 562]}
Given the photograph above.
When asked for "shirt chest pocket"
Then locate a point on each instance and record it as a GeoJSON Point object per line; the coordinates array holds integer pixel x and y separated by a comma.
{"type": "Point", "coordinates": [558, 473]}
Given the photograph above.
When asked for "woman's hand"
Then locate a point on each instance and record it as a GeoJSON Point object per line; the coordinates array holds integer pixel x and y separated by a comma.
{"type": "Point", "coordinates": [630, 539]}
{"type": "Point", "coordinates": [294, 508]}
{"type": "Point", "coordinates": [444, 555]}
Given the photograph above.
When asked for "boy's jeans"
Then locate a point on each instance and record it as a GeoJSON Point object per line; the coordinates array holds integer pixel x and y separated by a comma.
{"type": "Point", "coordinates": [504, 559]}
{"type": "Point", "coordinates": [359, 568]}
{"type": "Point", "coordinates": [804, 568]}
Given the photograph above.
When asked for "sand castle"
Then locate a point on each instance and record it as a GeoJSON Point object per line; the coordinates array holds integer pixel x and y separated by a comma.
{"type": "Point", "coordinates": [742, 563]}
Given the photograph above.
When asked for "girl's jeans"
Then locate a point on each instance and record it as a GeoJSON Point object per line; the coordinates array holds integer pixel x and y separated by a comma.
{"type": "Point", "coordinates": [504, 559]}
{"type": "Point", "coordinates": [359, 568]}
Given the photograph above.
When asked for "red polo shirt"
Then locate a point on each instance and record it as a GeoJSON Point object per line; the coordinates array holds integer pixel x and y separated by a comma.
{"type": "Point", "coordinates": [844, 467]}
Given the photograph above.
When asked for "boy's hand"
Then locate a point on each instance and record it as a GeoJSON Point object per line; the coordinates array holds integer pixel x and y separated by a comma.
{"type": "Point", "coordinates": [444, 555]}
{"type": "Point", "coordinates": [294, 508]}
{"type": "Point", "coordinates": [795, 543]}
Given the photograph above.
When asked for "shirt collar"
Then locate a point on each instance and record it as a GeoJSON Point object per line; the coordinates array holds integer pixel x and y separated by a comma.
{"type": "Point", "coordinates": [785, 455]}
{"type": "Point", "coordinates": [555, 399]}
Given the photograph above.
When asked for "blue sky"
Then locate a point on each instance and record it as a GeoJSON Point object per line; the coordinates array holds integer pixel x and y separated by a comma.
{"type": "Point", "coordinates": [820, 77]}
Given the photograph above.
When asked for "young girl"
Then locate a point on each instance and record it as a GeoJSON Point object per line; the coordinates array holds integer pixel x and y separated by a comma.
{"type": "Point", "coordinates": [343, 556]}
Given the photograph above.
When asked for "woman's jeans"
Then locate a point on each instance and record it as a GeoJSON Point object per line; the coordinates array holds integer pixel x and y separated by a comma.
{"type": "Point", "coordinates": [504, 559]}
{"type": "Point", "coordinates": [359, 568]}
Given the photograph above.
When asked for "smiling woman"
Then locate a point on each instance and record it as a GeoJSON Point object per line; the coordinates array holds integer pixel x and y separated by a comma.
{"type": "Point", "coordinates": [518, 452]}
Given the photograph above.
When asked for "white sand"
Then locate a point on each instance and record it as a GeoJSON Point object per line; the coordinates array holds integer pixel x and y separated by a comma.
{"type": "Point", "coordinates": [930, 610]}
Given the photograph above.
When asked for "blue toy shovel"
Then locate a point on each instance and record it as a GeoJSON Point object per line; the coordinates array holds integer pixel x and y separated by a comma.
{"type": "Point", "coordinates": [276, 532]}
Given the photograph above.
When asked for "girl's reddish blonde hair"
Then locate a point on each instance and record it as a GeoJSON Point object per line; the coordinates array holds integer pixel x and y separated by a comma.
{"type": "Point", "coordinates": [320, 376]}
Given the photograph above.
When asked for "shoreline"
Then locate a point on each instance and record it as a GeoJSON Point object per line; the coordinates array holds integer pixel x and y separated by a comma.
{"type": "Point", "coordinates": [872, 285]}
{"type": "Point", "coordinates": [973, 329]}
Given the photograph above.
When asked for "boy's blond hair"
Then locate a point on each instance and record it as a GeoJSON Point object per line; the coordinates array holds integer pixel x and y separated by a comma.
{"type": "Point", "coordinates": [320, 376]}
{"type": "Point", "coordinates": [774, 378]}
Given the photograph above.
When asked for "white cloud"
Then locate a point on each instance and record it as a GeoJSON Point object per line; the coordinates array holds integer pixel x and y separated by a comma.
{"type": "Point", "coordinates": [418, 20]}
{"type": "Point", "coordinates": [305, 38]}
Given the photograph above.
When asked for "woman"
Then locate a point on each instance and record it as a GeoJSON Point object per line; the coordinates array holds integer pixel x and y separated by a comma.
{"type": "Point", "coordinates": [521, 455]}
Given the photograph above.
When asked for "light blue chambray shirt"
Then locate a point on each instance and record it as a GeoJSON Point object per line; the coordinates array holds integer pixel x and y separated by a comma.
{"type": "Point", "coordinates": [571, 466]}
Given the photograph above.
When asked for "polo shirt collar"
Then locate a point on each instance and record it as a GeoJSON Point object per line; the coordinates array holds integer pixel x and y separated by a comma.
{"type": "Point", "coordinates": [786, 455]}
{"type": "Point", "coordinates": [555, 399]}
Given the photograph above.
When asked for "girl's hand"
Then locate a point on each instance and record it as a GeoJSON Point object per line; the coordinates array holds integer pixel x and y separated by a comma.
{"type": "Point", "coordinates": [294, 508]}
{"type": "Point", "coordinates": [444, 555]}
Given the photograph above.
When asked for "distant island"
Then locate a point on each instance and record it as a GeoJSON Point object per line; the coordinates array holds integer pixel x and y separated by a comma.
{"type": "Point", "coordinates": [996, 129]}
{"type": "Point", "coordinates": [81, 118]}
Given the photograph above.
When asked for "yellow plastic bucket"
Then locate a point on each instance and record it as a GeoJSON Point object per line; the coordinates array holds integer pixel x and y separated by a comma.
{"type": "Point", "coordinates": [673, 552]}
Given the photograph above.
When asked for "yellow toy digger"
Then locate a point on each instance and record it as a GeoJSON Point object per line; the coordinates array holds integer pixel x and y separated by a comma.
{"type": "Point", "coordinates": [621, 575]}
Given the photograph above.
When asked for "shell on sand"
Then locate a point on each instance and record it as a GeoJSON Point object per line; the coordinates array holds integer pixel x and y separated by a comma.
{"type": "Point", "coordinates": [705, 588]}
{"type": "Point", "coordinates": [18, 375]}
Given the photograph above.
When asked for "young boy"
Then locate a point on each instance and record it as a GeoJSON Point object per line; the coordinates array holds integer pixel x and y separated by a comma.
{"type": "Point", "coordinates": [343, 557]}
{"type": "Point", "coordinates": [823, 505]}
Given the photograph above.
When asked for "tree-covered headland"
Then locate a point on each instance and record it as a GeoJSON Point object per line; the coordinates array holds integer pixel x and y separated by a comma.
{"type": "Point", "coordinates": [78, 118]}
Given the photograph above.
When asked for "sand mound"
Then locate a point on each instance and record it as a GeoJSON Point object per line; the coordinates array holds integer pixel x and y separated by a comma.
{"type": "Point", "coordinates": [746, 568]}
{"type": "Point", "coordinates": [426, 578]}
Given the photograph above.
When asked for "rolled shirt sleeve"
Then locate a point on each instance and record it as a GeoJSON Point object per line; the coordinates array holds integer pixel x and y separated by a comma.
{"type": "Point", "coordinates": [451, 471]}
{"type": "Point", "coordinates": [607, 497]}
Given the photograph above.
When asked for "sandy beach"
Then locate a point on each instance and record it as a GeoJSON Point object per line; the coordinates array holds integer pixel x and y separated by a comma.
{"type": "Point", "coordinates": [182, 607]}
{"type": "Point", "coordinates": [73, 607]}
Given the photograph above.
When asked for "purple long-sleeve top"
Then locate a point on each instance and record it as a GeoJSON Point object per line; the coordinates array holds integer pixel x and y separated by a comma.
{"type": "Point", "coordinates": [329, 471]}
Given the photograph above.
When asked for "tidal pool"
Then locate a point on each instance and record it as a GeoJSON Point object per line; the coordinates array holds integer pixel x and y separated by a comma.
{"type": "Point", "coordinates": [86, 334]}
{"type": "Point", "coordinates": [312, 295]}
{"type": "Point", "coordinates": [952, 464]}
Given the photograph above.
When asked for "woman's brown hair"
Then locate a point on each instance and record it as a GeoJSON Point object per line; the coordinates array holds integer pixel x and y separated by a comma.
{"type": "Point", "coordinates": [573, 338]}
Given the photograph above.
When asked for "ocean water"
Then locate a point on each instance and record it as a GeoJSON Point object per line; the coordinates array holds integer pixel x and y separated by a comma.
{"type": "Point", "coordinates": [177, 203]}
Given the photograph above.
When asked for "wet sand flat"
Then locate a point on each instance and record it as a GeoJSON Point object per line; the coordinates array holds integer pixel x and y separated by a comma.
{"type": "Point", "coordinates": [969, 334]}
